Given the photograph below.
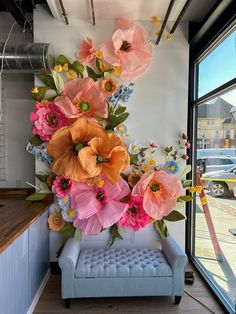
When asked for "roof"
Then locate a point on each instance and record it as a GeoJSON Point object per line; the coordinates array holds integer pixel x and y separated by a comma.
{"type": "Point", "coordinates": [218, 108]}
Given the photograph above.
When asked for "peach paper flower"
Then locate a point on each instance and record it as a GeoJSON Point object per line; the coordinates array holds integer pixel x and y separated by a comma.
{"type": "Point", "coordinates": [96, 207]}
{"type": "Point", "coordinates": [56, 222]}
{"type": "Point", "coordinates": [87, 51]}
{"type": "Point", "coordinates": [82, 98]}
{"type": "Point", "coordinates": [84, 149]}
{"type": "Point", "coordinates": [128, 49]}
{"type": "Point", "coordinates": [160, 191]}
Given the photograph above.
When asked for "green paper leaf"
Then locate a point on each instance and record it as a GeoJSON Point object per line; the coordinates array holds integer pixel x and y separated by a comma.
{"type": "Point", "coordinates": [35, 140]}
{"type": "Point", "coordinates": [91, 73]}
{"type": "Point", "coordinates": [161, 228]}
{"type": "Point", "coordinates": [59, 83]}
{"type": "Point", "coordinates": [61, 59]}
{"type": "Point", "coordinates": [36, 197]}
{"type": "Point", "coordinates": [120, 110]}
{"type": "Point", "coordinates": [114, 232]}
{"type": "Point", "coordinates": [174, 216]}
{"type": "Point", "coordinates": [68, 231]}
{"type": "Point", "coordinates": [185, 198]}
{"type": "Point", "coordinates": [98, 65]}
{"type": "Point", "coordinates": [77, 67]}
{"type": "Point", "coordinates": [41, 93]}
{"type": "Point", "coordinates": [47, 80]}
{"type": "Point", "coordinates": [78, 234]}
{"type": "Point", "coordinates": [42, 177]}
{"type": "Point", "coordinates": [113, 121]}
{"type": "Point", "coordinates": [133, 159]}
{"type": "Point", "coordinates": [185, 171]}
{"type": "Point", "coordinates": [187, 183]}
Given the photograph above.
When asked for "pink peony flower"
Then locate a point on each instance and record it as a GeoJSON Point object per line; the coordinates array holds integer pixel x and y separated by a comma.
{"type": "Point", "coordinates": [160, 191]}
{"type": "Point", "coordinates": [87, 51]}
{"type": "Point", "coordinates": [185, 157]}
{"type": "Point", "coordinates": [128, 49]}
{"type": "Point", "coordinates": [82, 98]}
{"type": "Point", "coordinates": [96, 207]}
{"type": "Point", "coordinates": [62, 186]}
{"type": "Point", "coordinates": [135, 217]}
{"type": "Point", "coordinates": [188, 145]}
{"type": "Point", "coordinates": [47, 119]}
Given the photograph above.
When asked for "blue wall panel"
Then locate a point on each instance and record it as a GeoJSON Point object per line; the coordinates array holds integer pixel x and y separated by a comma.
{"type": "Point", "coordinates": [38, 253]}
{"type": "Point", "coordinates": [14, 280]}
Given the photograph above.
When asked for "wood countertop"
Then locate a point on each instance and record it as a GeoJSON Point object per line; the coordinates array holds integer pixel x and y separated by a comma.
{"type": "Point", "coordinates": [17, 214]}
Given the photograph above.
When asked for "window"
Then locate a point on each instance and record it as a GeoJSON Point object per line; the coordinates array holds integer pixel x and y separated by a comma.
{"type": "Point", "coordinates": [213, 105]}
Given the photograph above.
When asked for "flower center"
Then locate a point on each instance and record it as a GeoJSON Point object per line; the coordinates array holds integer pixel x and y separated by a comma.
{"type": "Point", "coordinates": [133, 210]}
{"type": "Point", "coordinates": [100, 196]}
{"type": "Point", "coordinates": [101, 159]}
{"type": "Point", "coordinates": [120, 128]}
{"type": "Point", "coordinates": [79, 146]}
{"type": "Point", "coordinates": [64, 184]}
{"type": "Point", "coordinates": [155, 187]}
{"type": "Point", "coordinates": [70, 212]}
{"type": "Point", "coordinates": [135, 148]}
{"type": "Point", "coordinates": [83, 105]}
{"type": "Point", "coordinates": [125, 46]}
{"type": "Point", "coordinates": [135, 179]}
{"type": "Point", "coordinates": [57, 220]}
{"type": "Point", "coordinates": [109, 86]}
{"type": "Point", "coordinates": [171, 167]}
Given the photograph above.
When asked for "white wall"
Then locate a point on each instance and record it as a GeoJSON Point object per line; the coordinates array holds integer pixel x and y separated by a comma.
{"type": "Point", "coordinates": [158, 108]}
{"type": "Point", "coordinates": [16, 127]}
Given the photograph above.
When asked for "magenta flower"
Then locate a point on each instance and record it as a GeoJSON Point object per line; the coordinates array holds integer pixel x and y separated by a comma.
{"type": "Point", "coordinates": [160, 191]}
{"type": "Point", "coordinates": [62, 186]}
{"type": "Point", "coordinates": [128, 49]}
{"type": "Point", "coordinates": [87, 51]}
{"type": "Point", "coordinates": [47, 119]}
{"type": "Point", "coordinates": [134, 217]}
{"type": "Point", "coordinates": [96, 207]}
{"type": "Point", "coordinates": [82, 98]}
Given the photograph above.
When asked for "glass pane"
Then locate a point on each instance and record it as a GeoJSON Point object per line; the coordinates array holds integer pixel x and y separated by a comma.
{"type": "Point", "coordinates": [218, 67]}
{"type": "Point", "coordinates": [215, 229]}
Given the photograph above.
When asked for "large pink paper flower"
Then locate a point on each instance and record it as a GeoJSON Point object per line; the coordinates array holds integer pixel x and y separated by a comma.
{"type": "Point", "coordinates": [135, 217]}
{"type": "Point", "coordinates": [87, 51]}
{"type": "Point", "coordinates": [160, 191]}
{"type": "Point", "coordinates": [96, 207]}
{"type": "Point", "coordinates": [128, 49]}
{"type": "Point", "coordinates": [47, 119]}
{"type": "Point", "coordinates": [82, 98]}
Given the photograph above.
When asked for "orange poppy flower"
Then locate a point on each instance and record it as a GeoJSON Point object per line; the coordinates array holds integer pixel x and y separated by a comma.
{"type": "Point", "coordinates": [56, 222]}
{"type": "Point", "coordinates": [84, 149]}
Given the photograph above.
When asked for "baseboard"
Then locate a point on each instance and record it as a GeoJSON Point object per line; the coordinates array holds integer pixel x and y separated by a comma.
{"type": "Point", "coordinates": [38, 294]}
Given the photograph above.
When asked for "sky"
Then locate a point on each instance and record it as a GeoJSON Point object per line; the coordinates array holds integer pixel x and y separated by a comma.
{"type": "Point", "coordinates": [219, 67]}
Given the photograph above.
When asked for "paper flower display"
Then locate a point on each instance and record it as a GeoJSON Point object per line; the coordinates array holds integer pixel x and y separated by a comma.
{"type": "Point", "coordinates": [102, 178]}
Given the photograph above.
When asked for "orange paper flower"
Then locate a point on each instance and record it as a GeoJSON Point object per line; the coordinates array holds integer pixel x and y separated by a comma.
{"type": "Point", "coordinates": [84, 149]}
{"type": "Point", "coordinates": [56, 222]}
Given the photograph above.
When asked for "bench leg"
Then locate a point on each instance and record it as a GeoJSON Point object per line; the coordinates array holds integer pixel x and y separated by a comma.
{"type": "Point", "coordinates": [67, 303]}
{"type": "Point", "coordinates": [177, 299]}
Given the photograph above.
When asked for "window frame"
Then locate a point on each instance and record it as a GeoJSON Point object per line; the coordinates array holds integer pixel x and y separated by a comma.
{"type": "Point", "coordinates": [216, 26]}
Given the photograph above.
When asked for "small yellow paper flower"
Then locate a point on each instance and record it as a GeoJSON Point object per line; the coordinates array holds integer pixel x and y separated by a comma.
{"type": "Point", "coordinates": [192, 189]}
{"type": "Point", "coordinates": [58, 68]}
{"type": "Point", "coordinates": [155, 20]}
{"type": "Point", "coordinates": [116, 70]}
{"type": "Point", "coordinates": [204, 200]}
{"type": "Point", "coordinates": [152, 162]}
{"type": "Point", "coordinates": [34, 90]}
{"type": "Point", "coordinates": [99, 54]}
{"type": "Point", "coordinates": [198, 189]}
{"type": "Point", "coordinates": [169, 36]}
{"type": "Point", "coordinates": [65, 67]}
{"type": "Point", "coordinates": [103, 66]}
{"type": "Point", "coordinates": [71, 74]}
{"type": "Point", "coordinates": [44, 102]}
{"type": "Point", "coordinates": [99, 182]}
{"type": "Point", "coordinates": [146, 167]}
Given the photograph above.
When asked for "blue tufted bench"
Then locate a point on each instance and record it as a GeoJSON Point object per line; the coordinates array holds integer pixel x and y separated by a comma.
{"type": "Point", "coordinates": [122, 272]}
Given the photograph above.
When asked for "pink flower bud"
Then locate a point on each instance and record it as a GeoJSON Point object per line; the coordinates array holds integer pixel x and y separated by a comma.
{"type": "Point", "coordinates": [153, 145]}
{"type": "Point", "coordinates": [142, 154]}
{"type": "Point", "coordinates": [184, 136]}
{"type": "Point", "coordinates": [185, 157]}
{"type": "Point", "coordinates": [188, 145]}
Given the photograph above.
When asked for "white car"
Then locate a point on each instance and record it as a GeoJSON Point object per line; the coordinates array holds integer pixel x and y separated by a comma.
{"type": "Point", "coordinates": [220, 183]}
{"type": "Point", "coordinates": [214, 163]}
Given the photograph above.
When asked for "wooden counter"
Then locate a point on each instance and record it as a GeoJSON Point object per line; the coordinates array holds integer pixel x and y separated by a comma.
{"type": "Point", "coordinates": [17, 214]}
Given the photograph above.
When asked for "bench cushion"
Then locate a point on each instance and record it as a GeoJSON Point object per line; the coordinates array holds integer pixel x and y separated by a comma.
{"type": "Point", "coordinates": [122, 263]}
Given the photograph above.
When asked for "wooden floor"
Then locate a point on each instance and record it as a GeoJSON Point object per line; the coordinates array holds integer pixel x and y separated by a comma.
{"type": "Point", "coordinates": [51, 303]}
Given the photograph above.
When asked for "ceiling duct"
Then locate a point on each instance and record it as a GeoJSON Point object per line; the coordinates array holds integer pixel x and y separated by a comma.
{"type": "Point", "coordinates": [28, 57]}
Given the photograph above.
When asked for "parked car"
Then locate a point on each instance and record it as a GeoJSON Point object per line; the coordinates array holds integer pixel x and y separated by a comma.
{"type": "Point", "coordinates": [219, 183]}
{"type": "Point", "coordinates": [215, 163]}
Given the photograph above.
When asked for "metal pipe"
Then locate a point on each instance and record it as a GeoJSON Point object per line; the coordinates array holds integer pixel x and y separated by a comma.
{"type": "Point", "coordinates": [64, 12]}
{"type": "Point", "coordinates": [179, 18]}
{"type": "Point", "coordinates": [165, 21]}
{"type": "Point", "coordinates": [93, 13]}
